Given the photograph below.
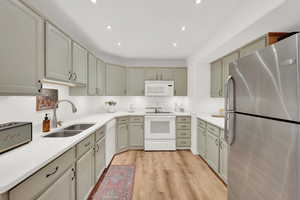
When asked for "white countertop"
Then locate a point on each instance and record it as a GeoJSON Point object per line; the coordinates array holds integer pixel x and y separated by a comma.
{"type": "Point", "coordinates": [20, 163]}
{"type": "Point", "coordinates": [213, 120]}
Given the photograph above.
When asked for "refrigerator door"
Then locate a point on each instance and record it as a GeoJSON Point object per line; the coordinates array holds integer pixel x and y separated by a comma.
{"type": "Point", "coordinates": [264, 159]}
{"type": "Point", "coordinates": [266, 83]}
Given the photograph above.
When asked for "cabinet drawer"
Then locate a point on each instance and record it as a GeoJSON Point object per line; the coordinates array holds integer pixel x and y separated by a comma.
{"type": "Point", "coordinates": [84, 146]}
{"type": "Point", "coordinates": [183, 142]}
{"type": "Point", "coordinates": [32, 187]}
{"type": "Point", "coordinates": [136, 119]}
{"type": "Point", "coordinates": [122, 120]}
{"type": "Point", "coordinates": [213, 129]}
{"type": "Point", "coordinates": [100, 133]}
{"type": "Point", "coordinates": [201, 123]}
{"type": "Point", "coordinates": [183, 133]}
{"type": "Point", "coordinates": [183, 119]}
{"type": "Point", "coordinates": [183, 126]}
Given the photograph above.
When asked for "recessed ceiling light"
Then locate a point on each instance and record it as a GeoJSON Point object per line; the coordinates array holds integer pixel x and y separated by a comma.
{"type": "Point", "coordinates": [94, 1]}
{"type": "Point", "coordinates": [119, 43]}
{"type": "Point", "coordinates": [108, 27]}
{"type": "Point", "coordinates": [198, 1]}
{"type": "Point", "coordinates": [183, 28]}
{"type": "Point", "coordinates": [174, 44]}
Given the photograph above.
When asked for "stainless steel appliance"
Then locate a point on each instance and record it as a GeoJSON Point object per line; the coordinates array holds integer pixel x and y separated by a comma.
{"type": "Point", "coordinates": [159, 88]}
{"type": "Point", "coordinates": [14, 134]}
{"type": "Point", "coordinates": [263, 123]}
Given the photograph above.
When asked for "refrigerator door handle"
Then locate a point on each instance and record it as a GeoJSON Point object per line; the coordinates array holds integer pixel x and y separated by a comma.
{"type": "Point", "coordinates": [228, 110]}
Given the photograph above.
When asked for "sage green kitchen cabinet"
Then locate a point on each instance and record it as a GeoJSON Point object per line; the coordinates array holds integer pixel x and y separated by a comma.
{"type": "Point", "coordinates": [216, 77]}
{"type": "Point", "coordinates": [92, 75]}
{"type": "Point", "coordinates": [135, 81]}
{"type": "Point", "coordinates": [202, 141]}
{"type": "Point", "coordinates": [212, 153]}
{"type": "Point", "coordinates": [101, 78]}
{"type": "Point", "coordinates": [58, 54]}
{"type": "Point", "coordinates": [254, 46]}
{"type": "Point", "coordinates": [115, 80]}
{"type": "Point", "coordinates": [63, 188]}
{"type": "Point", "coordinates": [152, 73]}
{"type": "Point", "coordinates": [180, 79]}
{"type": "Point", "coordinates": [166, 74]}
{"type": "Point", "coordinates": [85, 175]}
{"type": "Point", "coordinates": [223, 160]}
{"type": "Point", "coordinates": [136, 134]}
{"type": "Point", "coordinates": [79, 64]}
{"type": "Point", "coordinates": [122, 136]}
{"type": "Point", "coordinates": [21, 49]}
{"type": "Point", "coordinates": [225, 62]}
{"type": "Point", "coordinates": [99, 158]}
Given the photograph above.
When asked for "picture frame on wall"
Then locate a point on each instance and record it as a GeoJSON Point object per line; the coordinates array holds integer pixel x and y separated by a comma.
{"type": "Point", "coordinates": [47, 99]}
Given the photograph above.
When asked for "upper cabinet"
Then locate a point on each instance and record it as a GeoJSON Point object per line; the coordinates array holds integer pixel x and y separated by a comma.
{"type": "Point", "coordinates": [58, 54]}
{"type": "Point", "coordinates": [115, 80]}
{"type": "Point", "coordinates": [21, 49]}
{"type": "Point", "coordinates": [135, 81]}
{"type": "Point", "coordinates": [216, 79]}
{"type": "Point", "coordinates": [254, 46]}
{"type": "Point", "coordinates": [226, 62]}
{"type": "Point", "coordinates": [101, 78]}
{"type": "Point", "coordinates": [79, 69]}
{"type": "Point", "coordinates": [92, 75]}
{"type": "Point", "coordinates": [180, 79]}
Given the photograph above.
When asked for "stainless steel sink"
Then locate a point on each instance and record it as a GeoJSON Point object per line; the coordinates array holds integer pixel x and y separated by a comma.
{"type": "Point", "coordinates": [79, 127]}
{"type": "Point", "coordinates": [63, 133]}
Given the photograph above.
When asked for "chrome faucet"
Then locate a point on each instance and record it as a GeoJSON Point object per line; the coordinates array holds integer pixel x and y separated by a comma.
{"type": "Point", "coordinates": [54, 120]}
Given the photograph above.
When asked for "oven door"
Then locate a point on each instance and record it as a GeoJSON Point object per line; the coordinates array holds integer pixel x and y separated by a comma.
{"type": "Point", "coordinates": [159, 127]}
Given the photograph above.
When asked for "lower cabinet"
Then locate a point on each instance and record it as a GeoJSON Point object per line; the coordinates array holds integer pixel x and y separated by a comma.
{"type": "Point", "coordinates": [122, 136]}
{"type": "Point", "coordinates": [85, 175]}
{"type": "Point", "coordinates": [136, 134]}
{"type": "Point", "coordinates": [63, 188]}
{"type": "Point", "coordinates": [212, 154]}
{"type": "Point", "coordinates": [202, 141]}
{"type": "Point", "coordinates": [223, 160]}
{"type": "Point", "coordinates": [99, 158]}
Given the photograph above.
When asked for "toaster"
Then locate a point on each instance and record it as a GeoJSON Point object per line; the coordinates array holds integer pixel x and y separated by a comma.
{"type": "Point", "coordinates": [14, 134]}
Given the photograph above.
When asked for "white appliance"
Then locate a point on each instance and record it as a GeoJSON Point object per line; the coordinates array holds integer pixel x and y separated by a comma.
{"type": "Point", "coordinates": [159, 88]}
{"type": "Point", "coordinates": [160, 133]}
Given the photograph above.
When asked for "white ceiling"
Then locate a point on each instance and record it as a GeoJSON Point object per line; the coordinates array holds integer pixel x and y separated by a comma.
{"type": "Point", "coordinates": [145, 28]}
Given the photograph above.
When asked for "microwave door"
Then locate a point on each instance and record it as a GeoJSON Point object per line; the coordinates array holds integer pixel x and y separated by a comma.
{"type": "Point", "coordinates": [155, 90]}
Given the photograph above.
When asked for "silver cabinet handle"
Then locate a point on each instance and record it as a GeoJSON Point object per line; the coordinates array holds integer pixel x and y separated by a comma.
{"type": "Point", "coordinates": [52, 173]}
{"type": "Point", "coordinates": [39, 86]}
{"type": "Point", "coordinates": [87, 144]}
{"type": "Point", "coordinates": [98, 147]}
{"type": "Point", "coordinates": [217, 142]}
{"type": "Point", "coordinates": [74, 174]}
{"type": "Point", "coordinates": [70, 75]}
{"type": "Point", "coordinates": [75, 76]}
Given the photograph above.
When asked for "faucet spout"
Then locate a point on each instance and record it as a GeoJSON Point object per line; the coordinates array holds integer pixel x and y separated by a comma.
{"type": "Point", "coordinates": [54, 120]}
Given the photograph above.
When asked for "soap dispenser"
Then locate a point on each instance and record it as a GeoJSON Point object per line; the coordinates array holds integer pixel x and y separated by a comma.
{"type": "Point", "coordinates": [46, 124]}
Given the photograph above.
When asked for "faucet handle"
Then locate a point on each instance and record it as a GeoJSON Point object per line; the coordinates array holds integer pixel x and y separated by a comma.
{"type": "Point", "coordinates": [59, 123]}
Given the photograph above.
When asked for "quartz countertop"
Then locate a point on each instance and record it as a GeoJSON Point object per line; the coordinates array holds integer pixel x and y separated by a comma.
{"type": "Point", "coordinates": [213, 120]}
{"type": "Point", "coordinates": [20, 163]}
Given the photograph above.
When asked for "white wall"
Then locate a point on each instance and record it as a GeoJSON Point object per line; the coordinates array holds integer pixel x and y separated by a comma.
{"type": "Point", "coordinates": [17, 108]}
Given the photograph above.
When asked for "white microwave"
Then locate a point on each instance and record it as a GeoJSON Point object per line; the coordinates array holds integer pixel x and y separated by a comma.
{"type": "Point", "coordinates": [159, 88]}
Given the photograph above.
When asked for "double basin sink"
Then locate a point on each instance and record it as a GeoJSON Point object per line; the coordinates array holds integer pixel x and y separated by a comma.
{"type": "Point", "coordinates": [70, 130]}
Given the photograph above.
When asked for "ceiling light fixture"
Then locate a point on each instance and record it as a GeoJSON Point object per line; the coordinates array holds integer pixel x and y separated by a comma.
{"type": "Point", "coordinates": [198, 1]}
{"type": "Point", "coordinates": [174, 44]}
{"type": "Point", "coordinates": [183, 28]}
{"type": "Point", "coordinates": [94, 1]}
{"type": "Point", "coordinates": [108, 27]}
{"type": "Point", "coordinates": [119, 43]}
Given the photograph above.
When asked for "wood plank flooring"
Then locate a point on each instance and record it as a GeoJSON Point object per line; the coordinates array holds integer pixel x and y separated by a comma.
{"type": "Point", "coordinates": [172, 176]}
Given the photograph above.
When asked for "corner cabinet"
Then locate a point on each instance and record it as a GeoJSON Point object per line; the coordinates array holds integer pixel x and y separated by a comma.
{"type": "Point", "coordinates": [101, 78]}
{"type": "Point", "coordinates": [122, 137]}
{"type": "Point", "coordinates": [115, 80]}
{"type": "Point", "coordinates": [180, 79]}
{"type": "Point", "coordinates": [21, 49]}
{"type": "Point", "coordinates": [92, 75]}
{"type": "Point", "coordinates": [58, 54]}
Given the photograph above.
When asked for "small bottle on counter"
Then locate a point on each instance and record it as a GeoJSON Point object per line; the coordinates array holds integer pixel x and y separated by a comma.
{"type": "Point", "coordinates": [46, 124]}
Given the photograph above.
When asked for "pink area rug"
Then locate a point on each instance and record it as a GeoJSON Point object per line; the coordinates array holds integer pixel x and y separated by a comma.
{"type": "Point", "coordinates": [117, 183]}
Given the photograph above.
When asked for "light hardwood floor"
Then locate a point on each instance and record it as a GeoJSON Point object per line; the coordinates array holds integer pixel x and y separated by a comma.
{"type": "Point", "coordinates": [172, 176]}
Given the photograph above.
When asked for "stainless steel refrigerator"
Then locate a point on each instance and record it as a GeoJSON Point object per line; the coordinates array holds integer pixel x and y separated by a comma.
{"type": "Point", "coordinates": [263, 124]}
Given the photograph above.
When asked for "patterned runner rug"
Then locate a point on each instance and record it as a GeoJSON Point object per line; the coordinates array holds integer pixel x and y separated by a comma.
{"type": "Point", "coordinates": [117, 183]}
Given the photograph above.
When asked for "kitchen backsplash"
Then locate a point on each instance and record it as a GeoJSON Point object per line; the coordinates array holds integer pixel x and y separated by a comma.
{"type": "Point", "coordinates": [20, 108]}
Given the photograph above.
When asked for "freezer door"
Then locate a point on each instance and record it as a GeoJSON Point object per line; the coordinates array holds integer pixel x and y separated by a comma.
{"type": "Point", "coordinates": [263, 160]}
{"type": "Point", "coordinates": [266, 83]}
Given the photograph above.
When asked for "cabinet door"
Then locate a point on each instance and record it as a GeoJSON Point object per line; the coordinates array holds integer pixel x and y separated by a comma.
{"type": "Point", "coordinates": [101, 78]}
{"type": "Point", "coordinates": [136, 135]}
{"type": "Point", "coordinates": [254, 46]}
{"type": "Point", "coordinates": [225, 62]}
{"type": "Point", "coordinates": [216, 81]}
{"type": "Point", "coordinates": [180, 79]}
{"type": "Point", "coordinates": [21, 49]}
{"type": "Point", "coordinates": [223, 160]}
{"type": "Point", "coordinates": [92, 75]}
{"type": "Point", "coordinates": [135, 81]}
{"type": "Point", "coordinates": [202, 142]}
{"type": "Point", "coordinates": [63, 188]}
{"type": "Point", "coordinates": [122, 136]}
{"type": "Point", "coordinates": [166, 74]}
{"type": "Point", "coordinates": [212, 153]}
{"type": "Point", "coordinates": [110, 141]}
{"type": "Point", "coordinates": [151, 74]}
{"type": "Point", "coordinates": [58, 54]}
{"type": "Point", "coordinates": [99, 158]}
{"type": "Point", "coordinates": [85, 175]}
{"type": "Point", "coordinates": [79, 64]}
{"type": "Point", "coordinates": [116, 80]}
